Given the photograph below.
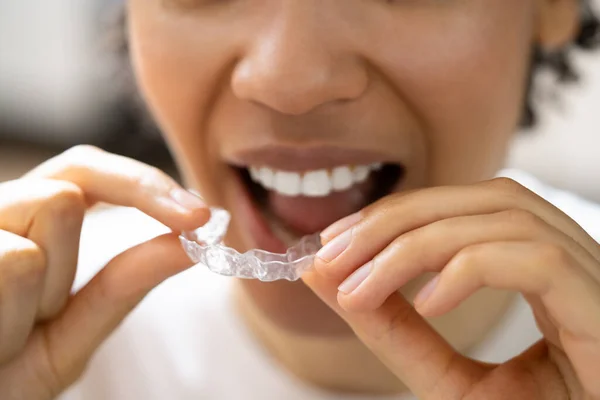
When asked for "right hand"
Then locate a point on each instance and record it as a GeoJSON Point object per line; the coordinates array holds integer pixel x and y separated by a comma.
{"type": "Point", "coordinates": [48, 334]}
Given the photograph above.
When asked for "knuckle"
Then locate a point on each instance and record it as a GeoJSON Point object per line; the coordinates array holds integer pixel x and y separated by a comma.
{"type": "Point", "coordinates": [523, 218]}
{"type": "Point", "coordinates": [67, 192]}
{"type": "Point", "coordinates": [553, 258]}
{"type": "Point", "coordinates": [402, 200]}
{"type": "Point", "coordinates": [77, 160]}
{"type": "Point", "coordinates": [393, 199]}
{"type": "Point", "coordinates": [505, 183]}
{"type": "Point", "coordinates": [152, 179]}
{"type": "Point", "coordinates": [66, 200]}
{"type": "Point", "coordinates": [385, 207]}
{"type": "Point", "coordinates": [509, 187]}
{"type": "Point", "coordinates": [23, 265]}
{"type": "Point", "coordinates": [404, 243]}
{"type": "Point", "coordinates": [81, 152]}
{"type": "Point", "coordinates": [378, 210]}
{"type": "Point", "coordinates": [68, 165]}
{"type": "Point", "coordinates": [466, 259]}
{"type": "Point", "coordinates": [60, 202]}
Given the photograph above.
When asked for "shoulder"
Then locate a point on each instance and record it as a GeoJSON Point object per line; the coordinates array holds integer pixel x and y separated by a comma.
{"type": "Point", "coordinates": [583, 211]}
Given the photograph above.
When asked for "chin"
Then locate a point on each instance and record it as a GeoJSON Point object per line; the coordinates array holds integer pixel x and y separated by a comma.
{"type": "Point", "coordinates": [275, 200]}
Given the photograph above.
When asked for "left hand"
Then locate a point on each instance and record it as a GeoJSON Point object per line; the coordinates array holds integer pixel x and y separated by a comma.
{"type": "Point", "coordinates": [496, 234]}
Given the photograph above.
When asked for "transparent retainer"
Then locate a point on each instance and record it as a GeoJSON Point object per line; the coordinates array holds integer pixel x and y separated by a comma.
{"type": "Point", "coordinates": [205, 246]}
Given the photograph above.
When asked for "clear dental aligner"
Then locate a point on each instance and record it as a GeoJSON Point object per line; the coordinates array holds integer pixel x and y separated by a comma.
{"type": "Point", "coordinates": [205, 246]}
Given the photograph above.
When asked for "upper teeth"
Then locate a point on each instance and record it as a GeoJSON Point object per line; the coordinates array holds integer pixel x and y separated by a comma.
{"type": "Point", "coordinates": [317, 183]}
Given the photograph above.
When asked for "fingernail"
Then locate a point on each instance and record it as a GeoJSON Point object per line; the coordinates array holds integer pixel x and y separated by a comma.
{"type": "Point", "coordinates": [186, 199]}
{"type": "Point", "coordinates": [336, 247]}
{"type": "Point", "coordinates": [354, 280]}
{"type": "Point", "coordinates": [426, 291]}
{"type": "Point", "coordinates": [340, 226]}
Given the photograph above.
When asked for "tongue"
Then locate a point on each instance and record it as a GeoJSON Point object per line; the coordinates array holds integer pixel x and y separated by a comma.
{"type": "Point", "coordinates": [307, 215]}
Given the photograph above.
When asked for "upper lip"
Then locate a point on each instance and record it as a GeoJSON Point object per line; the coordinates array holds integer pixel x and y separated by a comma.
{"type": "Point", "coordinates": [289, 158]}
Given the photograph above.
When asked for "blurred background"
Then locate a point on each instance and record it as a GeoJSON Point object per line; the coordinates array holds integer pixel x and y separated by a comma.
{"type": "Point", "coordinates": [64, 80]}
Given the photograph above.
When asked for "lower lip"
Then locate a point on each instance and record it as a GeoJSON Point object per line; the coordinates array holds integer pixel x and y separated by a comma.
{"type": "Point", "coordinates": [252, 219]}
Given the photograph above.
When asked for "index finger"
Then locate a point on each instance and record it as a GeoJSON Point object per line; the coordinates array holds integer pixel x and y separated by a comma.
{"type": "Point", "coordinates": [406, 344]}
{"type": "Point", "coordinates": [118, 180]}
{"type": "Point", "coordinates": [353, 244]}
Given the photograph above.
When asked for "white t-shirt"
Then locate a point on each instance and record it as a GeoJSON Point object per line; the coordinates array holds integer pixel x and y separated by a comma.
{"type": "Point", "coordinates": [185, 341]}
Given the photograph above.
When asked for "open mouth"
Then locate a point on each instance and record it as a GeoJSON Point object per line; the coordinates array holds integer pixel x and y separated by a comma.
{"type": "Point", "coordinates": [294, 204]}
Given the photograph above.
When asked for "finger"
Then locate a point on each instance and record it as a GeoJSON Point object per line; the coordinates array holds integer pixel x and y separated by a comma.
{"type": "Point", "coordinates": [533, 268]}
{"type": "Point", "coordinates": [122, 181]}
{"type": "Point", "coordinates": [430, 248]}
{"type": "Point", "coordinates": [384, 221]}
{"type": "Point", "coordinates": [406, 344]}
{"type": "Point", "coordinates": [96, 310]}
{"type": "Point", "coordinates": [21, 278]}
{"type": "Point", "coordinates": [49, 213]}
{"type": "Point", "coordinates": [570, 295]}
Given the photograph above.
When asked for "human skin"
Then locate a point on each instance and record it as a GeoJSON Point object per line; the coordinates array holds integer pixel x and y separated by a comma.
{"type": "Point", "coordinates": [436, 87]}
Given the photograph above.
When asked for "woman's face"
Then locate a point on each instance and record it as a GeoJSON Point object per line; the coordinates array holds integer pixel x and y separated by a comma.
{"type": "Point", "coordinates": [310, 91]}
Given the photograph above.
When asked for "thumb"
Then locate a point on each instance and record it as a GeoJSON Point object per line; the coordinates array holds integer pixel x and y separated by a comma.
{"type": "Point", "coordinates": [95, 311]}
{"type": "Point", "coordinates": [406, 344]}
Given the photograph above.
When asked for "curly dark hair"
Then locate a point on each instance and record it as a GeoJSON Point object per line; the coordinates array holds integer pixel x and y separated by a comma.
{"type": "Point", "coordinates": [588, 38]}
{"type": "Point", "coordinates": [139, 137]}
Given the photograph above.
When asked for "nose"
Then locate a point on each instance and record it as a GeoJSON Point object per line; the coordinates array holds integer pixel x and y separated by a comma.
{"type": "Point", "coordinates": [293, 67]}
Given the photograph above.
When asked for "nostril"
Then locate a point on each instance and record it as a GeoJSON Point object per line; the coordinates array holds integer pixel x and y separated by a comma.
{"type": "Point", "coordinates": [298, 85]}
{"type": "Point", "coordinates": [285, 91]}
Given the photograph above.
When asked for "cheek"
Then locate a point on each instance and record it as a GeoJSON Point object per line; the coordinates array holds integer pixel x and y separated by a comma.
{"type": "Point", "coordinates": [456, 67]}
{"type": "Point", "coordinates": [463, 74]}
{"type": "Point", "coordinates": [179, 68]}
